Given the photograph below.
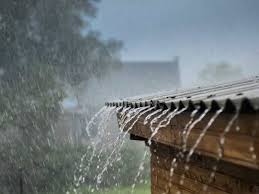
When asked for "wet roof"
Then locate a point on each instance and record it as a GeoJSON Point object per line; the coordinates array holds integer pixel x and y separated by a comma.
{"type": "Point", "coordinates": [242, 94]}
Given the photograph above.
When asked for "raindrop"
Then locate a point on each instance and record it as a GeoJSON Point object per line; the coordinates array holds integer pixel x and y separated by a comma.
{"type": "Point", "coordinates": [251, 148]}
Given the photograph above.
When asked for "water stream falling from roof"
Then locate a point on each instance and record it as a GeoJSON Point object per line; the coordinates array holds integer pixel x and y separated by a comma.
{"type": "Point", "coordinates": [140, 169]}
{"type": "Point", "coordinates": [221, 148]}
{"type": "Point", "coordinates": [189, 129]}
{"type": "Point", "coordinates": [154, 118]}
{"type": "Point", "coordinates": [127, 117]}
{"type": "Point", "coordinates": [160, 124]}
{"type": "Point", "coordinates": [101, 131]}
{"type": "Point", "coordinates": [175, 159]}
{"type": "Point", "coordinates": [198, 140]}
{"type": "Point", "coordinates": [211, 121]}
{"type": "Point", "coordinates": [104, 114]}
{"type": "Point", "coordinates": [148, 117]}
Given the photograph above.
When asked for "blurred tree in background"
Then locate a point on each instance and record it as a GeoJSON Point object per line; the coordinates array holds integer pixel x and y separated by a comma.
{"type": "Point", "coordinates": [42, 48]}
{"type": "Point", "coordinates": [50, 33]}
{"type": "Point", "coordinates": [219, 72]}
{"type": "Point", "coordinates": [29, 109]}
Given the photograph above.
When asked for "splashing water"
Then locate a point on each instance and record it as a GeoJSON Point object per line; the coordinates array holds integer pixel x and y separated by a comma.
{"type": "Point", "coordinates": [252, 147]}
{"type": "Point", "coordinates": [105, 114]}
{"type": "Point", "coordinates": [153, 121]}
{"type": "Point", "coordinates": [101, 131]}
{"type": "Point", "coordinates": [184, 132]}
{"type": "Point", "coordinates": [131, 116]}
{"type": "Point", "coordinates": [148, 117]}
{"type": "Point", "coordinates": [144, 112]}
{"type": "Point", "coordinates": [103, 146]}
{"type": "Point", "coordinates": [167, 121]}
{"type": "Point", "coordinates": [212, 120]}
{"type": "Point", "coordinates": [172, 167]}
{"type": "Point", "coordinates": [117, 150]}
{"type": "Point", "coordinates": [91, 123]}
{"type": "Point", "coordinates": [221, 148]}
{"type": "Point", "coordinates": [163, 123]}
{"type": "Point", "coordinates": [133, 123]}
{"type": "Point", "coordinates": [170, 116]}
{"type": "Point", "coordinates": [140, 169]}
{"type": "Point", "coordinates": [188, 131]}
{"type": "Point", "coordinates": [205, 129]}
{"type": "Point", "coordinates": [190, 125]}
{"type": "Point", "coordinates": [174, 163]}
{"type": "Point", "coordinates": [93, 119]}
{"type": "Point", "coordinates": [155, 130]}
{"type": "Point", "coordinates": [108, 160]}
{"type": "Point", "coordinates": [138, 114]}
{"type": "Point", "coordinates": [124, 114]}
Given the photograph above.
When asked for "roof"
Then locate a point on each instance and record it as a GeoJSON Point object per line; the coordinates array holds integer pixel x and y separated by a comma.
{"type": "Point", "coordinates": [242, 94]}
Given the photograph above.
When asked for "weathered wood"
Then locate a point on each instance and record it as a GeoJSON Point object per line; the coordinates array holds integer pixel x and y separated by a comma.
{"type": "Point", "coordinates": [241, 147]}
{"type": "Point", "coordinates": [237, 172]}
{"type": "Point", "coordinates": [240, 181]}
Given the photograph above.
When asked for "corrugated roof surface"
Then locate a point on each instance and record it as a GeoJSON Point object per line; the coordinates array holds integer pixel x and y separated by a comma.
{"type": "Point", "coordinates": [243, 94]}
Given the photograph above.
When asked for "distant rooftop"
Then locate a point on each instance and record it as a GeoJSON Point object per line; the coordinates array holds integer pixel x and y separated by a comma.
{"type": "Point", "coordinates": [156, 72]}
{"type": "Point", "coordinates": [135, 78]}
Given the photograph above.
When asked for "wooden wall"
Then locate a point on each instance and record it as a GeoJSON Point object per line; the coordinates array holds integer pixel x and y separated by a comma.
{"type": "Point", "coordinates": [228, 178]}
{"type": "Point", "coordinates": [237, 145]}
{"type": "Point", "coordinates": [237, 171]}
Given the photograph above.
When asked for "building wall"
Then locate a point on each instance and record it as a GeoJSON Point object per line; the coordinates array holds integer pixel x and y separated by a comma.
{"type": "Point", "coordinates": [229, 178]}
{"type": "Point", "coordinates": [134, 78]}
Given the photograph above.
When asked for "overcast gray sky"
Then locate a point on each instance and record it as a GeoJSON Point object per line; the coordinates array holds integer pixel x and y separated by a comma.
{"type": "Point", "coordinates": [199, 31]}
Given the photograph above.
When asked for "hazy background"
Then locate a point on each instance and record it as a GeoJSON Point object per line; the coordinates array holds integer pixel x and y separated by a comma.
{"type": "Point", "coordinates": [60, 60]}
{"type": "Point", "coordinates": [200, 32]}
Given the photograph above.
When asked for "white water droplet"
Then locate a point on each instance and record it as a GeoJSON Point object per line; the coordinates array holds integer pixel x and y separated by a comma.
{"type": "Point", "coordinates": [222, 140]}
{"type": "Point", "coordinates": [187, 167]}
{"type": "Point", "coordinates": [251, 148]}
{"type": "Point", "coordinates": [214, 168]}
{"type": "Point", "coordinates": [205, 187]}
{"type": "Point", "coordinates": [182, 180]}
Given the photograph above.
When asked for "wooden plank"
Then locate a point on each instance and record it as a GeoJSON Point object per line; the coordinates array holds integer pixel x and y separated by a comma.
{"type": "Point", "coordinates": [239, 181]}
{"type": "Point", "coordinates": [201, 176]}
{"type": "Point", "coordinates": [191, 185]}
{"type": "Point", "coordinates": [236, 148]}
{"type": "Point", "coordinates": [166, 154]}
{"type": "Point", "coordinates": [237, 171]}
{"type": "Point", "coordinates": [156, 190]}
{"type": "Point", "coordinates": [246, 123]}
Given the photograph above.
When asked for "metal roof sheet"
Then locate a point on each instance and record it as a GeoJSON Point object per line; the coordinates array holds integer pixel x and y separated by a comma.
{"type": "Point", "coordinates": [242, 93]}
